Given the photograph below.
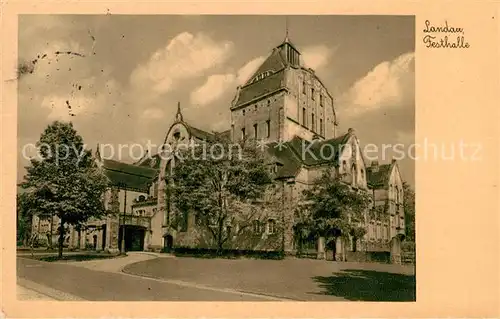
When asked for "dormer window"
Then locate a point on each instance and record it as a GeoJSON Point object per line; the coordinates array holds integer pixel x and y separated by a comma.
{"type": "Point", "coordinates": [262, 75]}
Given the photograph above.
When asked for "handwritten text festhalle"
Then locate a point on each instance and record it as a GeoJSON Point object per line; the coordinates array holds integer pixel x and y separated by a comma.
{"type": "Point", "coordinates": [437, 36]}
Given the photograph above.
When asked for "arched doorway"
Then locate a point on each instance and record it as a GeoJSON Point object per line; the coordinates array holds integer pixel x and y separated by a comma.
{"type": "Point", "coordinates": [168, 243]}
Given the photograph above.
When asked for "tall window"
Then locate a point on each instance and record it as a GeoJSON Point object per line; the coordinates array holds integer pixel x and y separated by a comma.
{"type": "Point", "coordinates": [321, 127]}
{"type": "Point", "coordinates": [271, 224]}
{"type": "Point", "coordinates": [243, 112]}
{"type": "Point", "coordinates": [243, 133]}
{"type": "Point", "coordinates": [268, 123]}
{"type": "Point", "coordinates": [232, 131]}
{"type": "Point", "coordinates": [321, 99]}
{"type": "Point", "coordinates": [304, 87]}
{"type": "Point", "coordinates": [304, 116]}
{"type": "Point", "coordinates": [312, 94]}
{"type": "Point", "coordinates": [255, 131]}
{"type": "Point", "coordinates": [256, 226]}
{"type": "Point", "coordinates": [313, 123]}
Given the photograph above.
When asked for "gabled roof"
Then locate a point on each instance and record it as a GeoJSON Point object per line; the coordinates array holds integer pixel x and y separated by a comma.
{"type": "Point", "coordinates": [378, 176]}
{"type": "Point", "coordinates": [128, 175]}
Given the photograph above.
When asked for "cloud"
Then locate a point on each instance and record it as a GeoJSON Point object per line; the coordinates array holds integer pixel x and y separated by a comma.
{"type": "Point", "coordinates": [315, 57]}
{"type": "Point", "coordinates": [185, 56]}
{"type": "Point", "coordinates": [249, 69]}
{"type": "Point", "coordinates": [389, 84]}
{"type": "Point", "coordinates": [153, 114]}
{"type": "Point", "coordinates": [212, 89]}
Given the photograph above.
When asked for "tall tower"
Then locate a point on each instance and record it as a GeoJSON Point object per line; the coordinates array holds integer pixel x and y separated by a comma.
{"type": "Point", "coordinates": [282, 99]}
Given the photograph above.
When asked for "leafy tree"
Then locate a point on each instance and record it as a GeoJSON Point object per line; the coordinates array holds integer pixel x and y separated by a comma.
{"type": "Point", "coordinates": [24, 217]}
{"type": "Point", "coordinates": [409, 209]}
{"type": "Point", "coordinates": [334, 208]}
{"type": "Point", "coordinates": [65, 182]}
{"type": "Point", "coordinates": [219, 182]}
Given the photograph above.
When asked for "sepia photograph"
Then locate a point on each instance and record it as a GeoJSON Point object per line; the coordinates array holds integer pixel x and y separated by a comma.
{"type": "Point", "coordinates": [216, 158]}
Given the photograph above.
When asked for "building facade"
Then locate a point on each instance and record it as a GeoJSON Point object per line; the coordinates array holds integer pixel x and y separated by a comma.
{"type": "Point", "coordinates": [286, 106]}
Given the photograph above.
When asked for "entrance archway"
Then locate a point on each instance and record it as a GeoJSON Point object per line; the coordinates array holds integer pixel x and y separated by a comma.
{"type": "Point", "coordinates": [168, 243]}
{"type": "Point", "coordinates": [134, 237]}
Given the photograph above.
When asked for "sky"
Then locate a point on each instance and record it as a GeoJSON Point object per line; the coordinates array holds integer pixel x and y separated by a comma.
{"type": "Point", "coordinates": [125, 74]}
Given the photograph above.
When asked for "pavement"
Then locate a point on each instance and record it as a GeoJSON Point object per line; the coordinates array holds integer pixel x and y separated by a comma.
{"type": "Point", "coordinates": [81, 283]}
{"type": "Point", "coordinates": [161, 277]}
{"type": "Point", "coordinates": [295, 279]}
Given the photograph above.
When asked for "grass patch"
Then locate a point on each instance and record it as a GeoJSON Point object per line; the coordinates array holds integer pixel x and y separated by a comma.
{"type": "Point", "coordinates": [78, 257]}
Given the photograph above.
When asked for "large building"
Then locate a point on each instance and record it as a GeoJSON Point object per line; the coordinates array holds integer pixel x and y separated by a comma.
{"type": "Point", "coordinates": [286, 106]}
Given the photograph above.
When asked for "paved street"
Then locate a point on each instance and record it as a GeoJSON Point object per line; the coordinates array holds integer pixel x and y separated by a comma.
{"type": "Point", "coordinates": [159, 277]}
{"type": "Point", "coordinates": [95, 285]}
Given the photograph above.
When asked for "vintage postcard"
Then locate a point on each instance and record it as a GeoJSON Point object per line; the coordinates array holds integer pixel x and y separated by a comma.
{"type": "Point", "coordinates": [263, 159]}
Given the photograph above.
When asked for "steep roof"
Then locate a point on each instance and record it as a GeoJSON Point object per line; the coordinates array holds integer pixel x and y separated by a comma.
{"type": "Point", "coordinates": [151, 162]}
{"type": "Point", "coordinates": [128, 175]}
{"type": "Point", "coordinates": [199, 133]}
{"type": "Point", "coordinates": [289, 163]}
{"type": "Point", "coordinates": [275, 62]}
{"type": "Point", "coordinates": [297, 152]}
{"type": "Point", "coordinates": [264, 86]}
{"type": "Point", "coordinates": [378, 176]}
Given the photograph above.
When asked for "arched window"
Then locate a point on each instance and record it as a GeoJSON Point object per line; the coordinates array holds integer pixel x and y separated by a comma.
{"type": "Point", "coordinates": [354, 172]}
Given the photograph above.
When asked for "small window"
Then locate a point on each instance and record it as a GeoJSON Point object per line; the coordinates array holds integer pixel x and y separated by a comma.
{"type": "Point", "coordinates": [313, 123]}
{"type": "Point", "coordinates": [256, 107]}
{"type": "Point", "coordinates": [271, 225]}
{"type": "Point", "coordinates": [321, 100]}
{"type": "Point", "coordinates": [268, 103]}
{"type": "Point", "coordinates": [304, 116]}
{"type": "Point", "coordinates": [255, 135]}
{"type": "Point", "coordinates": [243, 133]}
{"type": "Point", "coordinates": [312, 94]}
{"type": "Point", "coordinates": [268, 123]}
{"type": "Point", "coordinates": [321, 127]}
{"type": "Point", "coordinates": [177, 135]}
{"type": "Point", "coordinates": [303, 87]}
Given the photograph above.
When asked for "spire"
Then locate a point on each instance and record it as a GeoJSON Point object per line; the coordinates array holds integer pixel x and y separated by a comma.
{"type": "Point", "coordinates": [178, 116]}
{"type": "Point", "coordinates": [98, 152]}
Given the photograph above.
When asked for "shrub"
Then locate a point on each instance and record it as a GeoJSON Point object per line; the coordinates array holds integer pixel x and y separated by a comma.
{"type": "Point", "coordinates": [226, 253]}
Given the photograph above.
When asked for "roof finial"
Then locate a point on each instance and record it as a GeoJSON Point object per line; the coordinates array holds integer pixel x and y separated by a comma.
{"type": "Point", "coordinates": [178, 116]}
{"type": "Point", "coordinates": [286, 28]}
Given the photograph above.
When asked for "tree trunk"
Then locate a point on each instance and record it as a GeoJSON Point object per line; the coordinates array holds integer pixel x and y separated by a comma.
{"type": "Point", "coordinates": [61, 239]}
{"type": "Point", "coordinates": [79, 244]}
{"type": "Point", "coordinates": [51, 230]}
